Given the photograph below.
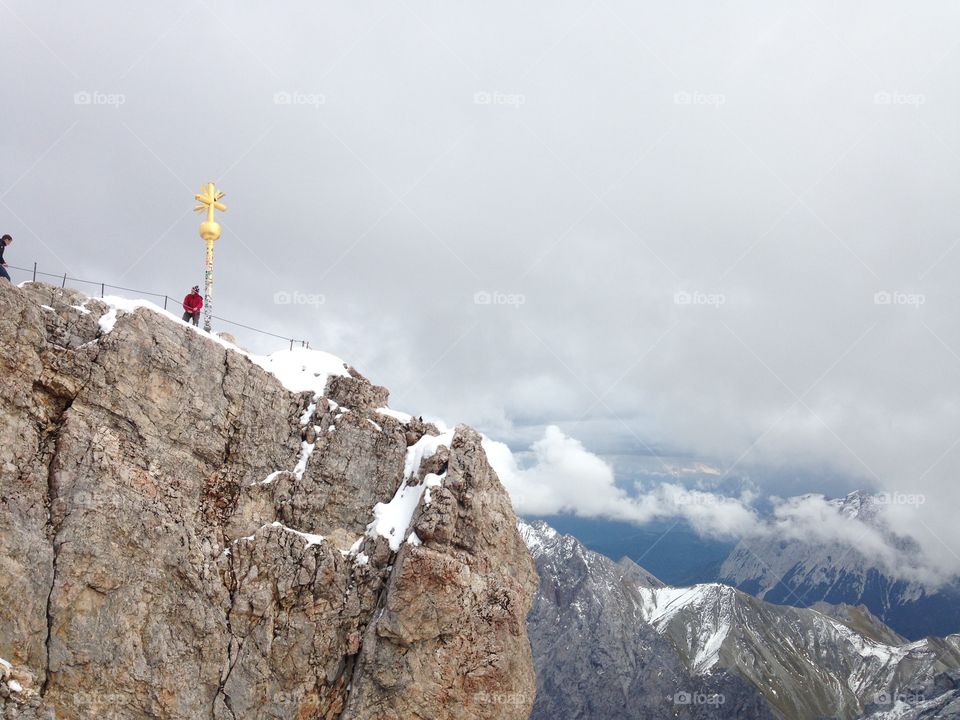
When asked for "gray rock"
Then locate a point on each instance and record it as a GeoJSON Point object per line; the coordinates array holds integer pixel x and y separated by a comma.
{"type": "Point", "coordinates": [149, 570]}
{"type": "Point", "coordinates": [452, 598]}
{"type": "Point", "coordinates": [610, 640]}
{"type": "Point", "coordinates": [597, 657]}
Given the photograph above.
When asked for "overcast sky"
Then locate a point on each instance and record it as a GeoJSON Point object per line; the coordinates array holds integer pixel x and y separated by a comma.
{"type": "Point", "coordinates": [682, 232]}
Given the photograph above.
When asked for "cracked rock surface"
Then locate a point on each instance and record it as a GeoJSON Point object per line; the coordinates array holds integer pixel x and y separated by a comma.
{"type": "Point", "coordinates": [170, 549]}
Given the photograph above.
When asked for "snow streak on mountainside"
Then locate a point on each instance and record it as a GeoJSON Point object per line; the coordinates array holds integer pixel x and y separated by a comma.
{"type": "Point", "coordinates": [792, 663]}
{"type": "Point", "coordinates": [709, 605]}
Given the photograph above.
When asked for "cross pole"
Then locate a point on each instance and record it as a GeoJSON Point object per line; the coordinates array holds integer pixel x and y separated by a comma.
{"type": "Point", "coordinates": [209, 198]}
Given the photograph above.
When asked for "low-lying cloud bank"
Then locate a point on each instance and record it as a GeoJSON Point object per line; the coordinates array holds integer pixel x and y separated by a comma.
{"type": "Point", "coordinates": [565, 477]}
{"type": "Point", "coordinates": [895, 531]}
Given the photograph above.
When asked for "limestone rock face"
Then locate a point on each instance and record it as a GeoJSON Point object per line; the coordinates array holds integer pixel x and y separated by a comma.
{"type": "Point", "coordinates": [447, 590]}
{"type": "Point", "coordinates": [183, 537]}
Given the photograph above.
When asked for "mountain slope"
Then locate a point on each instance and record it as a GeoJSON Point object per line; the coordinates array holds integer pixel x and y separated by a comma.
{"type": "Point", "coordinates": [183, 535]}
{"type": "Point", "coordinates": [794, 572]}
{"type": "Point", "coordinates": [859, 619]}
{"type": "Point", "coordinates": [936, 699]}
{"type": "Point", "coordinates": [595, 655]}
{"type": "Point", "coordinates": [791, 663]}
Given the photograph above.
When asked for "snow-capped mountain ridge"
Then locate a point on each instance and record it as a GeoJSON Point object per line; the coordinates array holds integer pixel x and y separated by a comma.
{"type": "Point", "coordinates": [536, 536]}
{"type": "Point", "coordinates": [803, 663]}
{"type": "Point", "coordinates": [802, 572]}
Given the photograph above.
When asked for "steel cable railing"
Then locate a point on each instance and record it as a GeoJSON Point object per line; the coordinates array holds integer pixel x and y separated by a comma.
{"type": "Point", "coordinates": [65, 278]}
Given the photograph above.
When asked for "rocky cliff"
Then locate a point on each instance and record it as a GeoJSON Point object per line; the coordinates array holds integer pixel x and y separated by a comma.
{"type": "Point", "coordinates": [184, 536]}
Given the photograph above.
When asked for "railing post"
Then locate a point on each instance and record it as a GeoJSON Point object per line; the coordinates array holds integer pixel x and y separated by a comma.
{"type": "Point", "coordinates": [64, 283]}
{"type": "Point", "coordinates": [291, 344]}
{"type": "Point", "coordinates": [34, 272]}
{"type": "Point", "coordinates": [103, 288]}
{"type": "Point", "coordinates": [164, 302]}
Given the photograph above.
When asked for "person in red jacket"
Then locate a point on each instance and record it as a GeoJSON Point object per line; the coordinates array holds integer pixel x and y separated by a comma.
{"type": "Point", "coordinates": [192, 305]}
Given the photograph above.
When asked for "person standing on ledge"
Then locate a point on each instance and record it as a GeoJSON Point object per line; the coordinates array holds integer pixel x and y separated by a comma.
{"type": "Point", "coordinates": [192, 305]}
{"type": "Point", "coordinates": [4, 241]}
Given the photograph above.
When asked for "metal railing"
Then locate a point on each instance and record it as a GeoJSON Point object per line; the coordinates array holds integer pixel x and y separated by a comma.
{"type": "Point", "coordinates": [65, 278]}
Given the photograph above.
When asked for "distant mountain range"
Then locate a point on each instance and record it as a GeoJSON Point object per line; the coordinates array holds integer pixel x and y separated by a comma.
{"type": "Point", "coordinates": [788, 572]}
{"type": "Point", "coordinates": [612, 641]}
{"type": "Point", "coordinates": [671, 550]}
{"type": "Point", "coordinates": [596, 657]}
{"type": "Point", "coordinates": [793, 572]}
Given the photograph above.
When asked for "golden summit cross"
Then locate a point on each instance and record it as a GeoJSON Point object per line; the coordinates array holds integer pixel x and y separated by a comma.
{"type": "Point", "coordinates": [209, 198]}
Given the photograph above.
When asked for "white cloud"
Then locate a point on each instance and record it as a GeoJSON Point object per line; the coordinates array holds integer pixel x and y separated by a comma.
{"type": "Point", "coordinates": [800, 368]}
{"type": "Point", "coordinates": [882, 533]}
{"type": "Point", "coordinates": [564, 477]}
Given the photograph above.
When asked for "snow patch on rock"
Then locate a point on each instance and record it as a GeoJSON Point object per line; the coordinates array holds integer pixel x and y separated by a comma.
{"type": "Point", "coordinates": [310, 538]}
{"type": "Point", "coordinates": [392, 519]}
{"type": "Point", "coordinates": [424, 448]}
{"type": "Point", "coordinates": [403, 417]}
{"type": "Point", "coordinates": [306, 450]}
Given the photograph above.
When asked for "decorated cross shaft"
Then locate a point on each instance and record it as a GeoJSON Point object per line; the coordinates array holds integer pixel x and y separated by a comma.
{"type": "Point", "coordinates": [209, 198]}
